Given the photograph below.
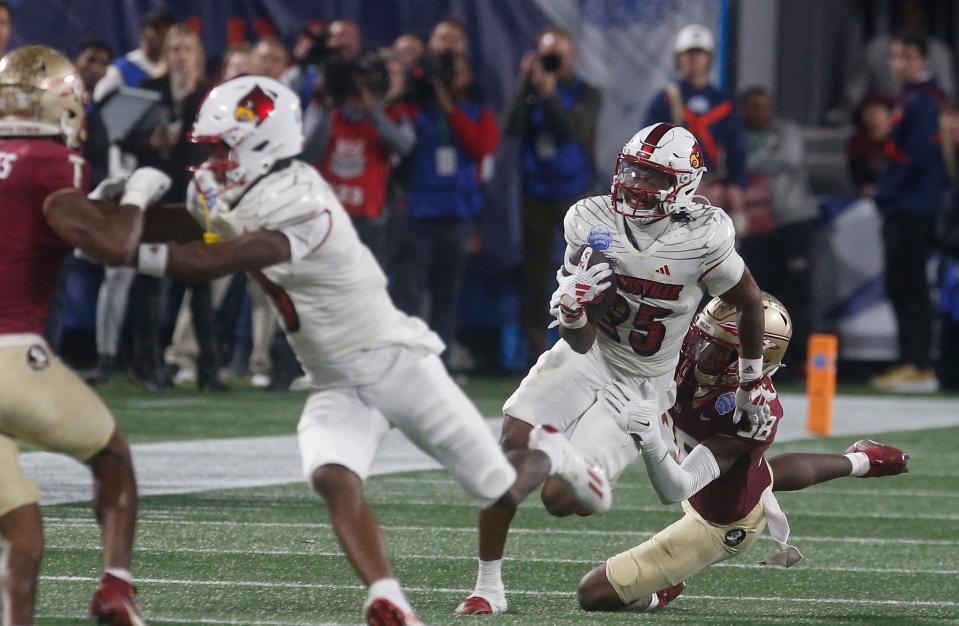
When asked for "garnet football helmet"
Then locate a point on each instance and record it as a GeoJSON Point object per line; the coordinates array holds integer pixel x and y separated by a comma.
{"type": "Point", "coordinates": [40, 95]}
{"type": "Point", "coordinates": [657, 172]}
{"type": "Point", "coordinates": [259, 121]}
{"type": "Point", "coordinates": [711, 347]}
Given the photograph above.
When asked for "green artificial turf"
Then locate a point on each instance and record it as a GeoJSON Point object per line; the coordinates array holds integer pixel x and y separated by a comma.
{"type": "Point", "coordinates": [877, 551]}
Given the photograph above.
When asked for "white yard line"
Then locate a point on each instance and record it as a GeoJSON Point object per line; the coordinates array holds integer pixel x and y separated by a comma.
{"type": "Point", "coordinates": [68, 522]}
{"type": "Point", "coordinates": [204, 465]}
{"type": "Point", "coordinates": [805, 567]}
{"type": "Point", "coordinates": [521, 592]}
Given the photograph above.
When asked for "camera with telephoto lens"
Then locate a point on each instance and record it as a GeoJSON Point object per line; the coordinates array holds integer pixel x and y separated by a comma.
{"type": "Point", "coordinates": [429, 66]}
{"type": "Point", "coordinates": [319, 50]}
{"type": "Point", "coordinates": [550, 62]}
{"type": "Point", "coordinates": [344, 75]}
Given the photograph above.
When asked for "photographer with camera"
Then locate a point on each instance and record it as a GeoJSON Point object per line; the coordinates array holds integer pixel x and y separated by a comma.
{"type": "Point", "coordinates": [316, 46]}
{"type": "Point", "coordinates": [355, 140]}
{"type": "Point", "coordinates": [455, 131]}
{"type": "Point", "coordinates": [554, 112]}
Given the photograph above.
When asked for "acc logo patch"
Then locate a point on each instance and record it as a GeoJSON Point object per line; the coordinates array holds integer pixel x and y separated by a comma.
{"type": "Point", "coordinates": [599, 238]}
{"type": "Point", "coordinates": [254, 107]}
{"type": "Point", "coordinates": [726, 403]}
{"type": "Point", "coordinates": [734, 536]}
{"type": "Point", "coordinates": [37, 358]}
{"type": "Point", "coordinates": [696, 157]}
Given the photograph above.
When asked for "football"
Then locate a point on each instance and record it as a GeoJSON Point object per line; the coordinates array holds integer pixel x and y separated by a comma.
{"type": "Point", "coordinates": [600, 306]}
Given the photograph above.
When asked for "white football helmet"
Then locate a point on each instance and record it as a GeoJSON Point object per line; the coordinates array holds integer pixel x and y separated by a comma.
{"type": "Point", "coordinates": [657, 172]}
{"type": "Point", "coordinates": [258, 119]}
{"type": "Point", "coordinates": [41, 94]}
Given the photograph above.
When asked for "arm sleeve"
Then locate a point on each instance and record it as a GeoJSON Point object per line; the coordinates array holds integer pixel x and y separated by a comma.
{"type": "Point", "coordinates": [399, 136]}
{"type": "Point", "coordinates": [477, 138]}
{"type": "Point", "coordinates": [723, 268]}
{"type": "Point", "coordinates": [914, 148]}
{"type": "Point", "coordinates": [514, 119]}
{"type": "Point", "coordinates": [674, 482]}
{"type": "Point", "coordinates": [579, 123]}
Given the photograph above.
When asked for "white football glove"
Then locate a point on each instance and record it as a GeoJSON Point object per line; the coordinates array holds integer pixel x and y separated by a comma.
{"type": "Point", "coordinates": [581, 287]}
{"type": "Point", "coordinates": [109, 189]}
{"type": "Point", "coordinates": [638, 415]}
{"type": "Point", "coordinates": [145, 186]}
{"type": "Point", "coordinates": [202, 190]}
{"type": "Point", "coordinates": [753, 403]}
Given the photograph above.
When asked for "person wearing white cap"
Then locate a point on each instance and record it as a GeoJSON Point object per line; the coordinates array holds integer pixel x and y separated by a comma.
{"type": "Point", "coordinates": [692, 101]}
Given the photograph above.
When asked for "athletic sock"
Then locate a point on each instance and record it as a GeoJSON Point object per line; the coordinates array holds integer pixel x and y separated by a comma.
{"type": "Point", "coordinates": [490, 576]}
{"type": "Point", "coordinates": [489, 584]}
{"type": "Point", "coordinates": [860, 463]}
{"type": "Point", "coordinates": [119, 572]}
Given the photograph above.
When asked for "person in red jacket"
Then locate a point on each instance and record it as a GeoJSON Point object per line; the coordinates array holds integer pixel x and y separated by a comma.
{"type": "Point", "coordinates": [355, 141]}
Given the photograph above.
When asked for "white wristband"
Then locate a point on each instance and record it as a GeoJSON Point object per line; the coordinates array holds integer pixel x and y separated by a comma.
{"type": "Point", "coordinates": [135, 197]}
{"type": "Point", "coordinates": [750, 369]}
{"type": "Point", "coordinates": [152, 259]}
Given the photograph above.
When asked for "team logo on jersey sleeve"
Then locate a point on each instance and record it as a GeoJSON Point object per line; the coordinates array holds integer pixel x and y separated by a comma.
{"type": "Point", "coordinates": [599, 238]}
{"type": "Point", "coordinates": [254, 107]}
{"type": "Point", "coordinates": [726, 403]}
{"type": "Point", "coordinates": [37, 358]}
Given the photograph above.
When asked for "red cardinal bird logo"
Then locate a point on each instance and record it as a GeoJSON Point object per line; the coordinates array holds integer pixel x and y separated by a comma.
{"type": "Point", "coordinates": [696, 157]}
{"type": "Point", "coordinates": [254, 107]}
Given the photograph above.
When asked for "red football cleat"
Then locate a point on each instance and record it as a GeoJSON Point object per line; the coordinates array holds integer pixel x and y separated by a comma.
{"type": "Point", "coordinates": [114, 603]}
{"type": "Point", "coordinates": [382, 612]}
{"type": "Point", "coordinates": [883, 460]}
{"type": "Point", "coordinates": [667, 595]}
{"type": "Point", "coordinates": [474, 605]}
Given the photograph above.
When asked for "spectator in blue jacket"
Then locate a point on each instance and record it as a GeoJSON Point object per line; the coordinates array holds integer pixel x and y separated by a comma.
{"type": "Point", "coordinates": [710, 115]}
{"type": "Point", "coordinates": [909, 196]}
{"type": "Point", "coordinates": [455, 132]}
{"type": "Point", "coordinates": [555, 113]}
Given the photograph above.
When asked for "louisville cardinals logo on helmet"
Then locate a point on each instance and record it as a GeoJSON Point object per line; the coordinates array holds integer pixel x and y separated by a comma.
{"type": "Point", "coordinates": [696, 157]}
{"type": "Point", "coordinates": [254, 107]}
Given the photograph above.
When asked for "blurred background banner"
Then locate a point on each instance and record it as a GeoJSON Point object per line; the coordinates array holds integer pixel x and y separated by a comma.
{"type": "Point", "coordinates": [626, 50]}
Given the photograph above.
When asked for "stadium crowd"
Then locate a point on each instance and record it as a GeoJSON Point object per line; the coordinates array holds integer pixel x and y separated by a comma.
{"type": "Point", "coordinates": [405, 137]}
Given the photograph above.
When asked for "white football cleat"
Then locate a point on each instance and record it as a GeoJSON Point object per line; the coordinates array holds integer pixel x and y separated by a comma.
{"type": "Point", "coordinates": [586, 480]}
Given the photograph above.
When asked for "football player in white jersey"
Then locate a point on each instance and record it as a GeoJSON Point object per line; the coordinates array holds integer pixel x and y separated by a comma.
{"type": "Point", "coordinates": [668, 249]}
{"type": "Point", "coordinates": [372, 367]}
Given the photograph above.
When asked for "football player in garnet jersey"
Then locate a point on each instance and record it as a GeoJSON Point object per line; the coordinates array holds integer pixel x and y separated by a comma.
{"type": "Point", "coordinates": [372, 367]}
{"type": "Point", "coordinates": [722, 476]}
{"type": "Point", "coordinates": [41, 400]}
{"type": "Point", "coordinates": [668, 247]}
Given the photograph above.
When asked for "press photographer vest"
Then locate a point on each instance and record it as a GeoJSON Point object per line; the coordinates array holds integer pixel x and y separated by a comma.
{"type": "Point", "coordinates": [356, 165]}
{"type": "Point", "coordinates": [445, 182]}
{"type": "Point", "coordinates": [552, 169]}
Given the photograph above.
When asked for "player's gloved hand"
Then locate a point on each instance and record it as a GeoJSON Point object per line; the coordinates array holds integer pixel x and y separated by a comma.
{"type": "Point", "coordinates": [201, 195]}
{"type": "Point", "coordinates": [145, 186]}
{"type": "Point", "coordinates": [752, 398]}
{"type": "Point", "coordinates": [109, 189]}
{"type": "Point", "coordinates": [581, 287]}
{"type": "Point", "coordinates": [638, 415]}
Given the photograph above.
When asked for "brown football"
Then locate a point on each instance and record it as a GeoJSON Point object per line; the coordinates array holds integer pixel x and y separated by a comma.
{"type": "Point", "coordinates": [601, 306]}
